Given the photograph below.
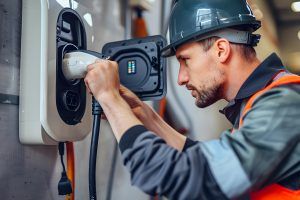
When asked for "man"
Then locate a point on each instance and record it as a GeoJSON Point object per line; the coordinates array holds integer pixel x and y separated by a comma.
{"type": "Point", "coordinates": [259, 158]}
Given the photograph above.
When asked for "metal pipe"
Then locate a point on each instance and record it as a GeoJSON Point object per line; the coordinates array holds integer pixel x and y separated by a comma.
{"type": "Point", "coordinates": [128, 20]}
{"type": "Point", "coordinates": [162, 16]}
{"type": "Point", "coordinates": [165, 14]}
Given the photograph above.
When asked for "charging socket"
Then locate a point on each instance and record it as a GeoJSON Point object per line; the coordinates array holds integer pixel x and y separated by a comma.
{"type": "Point", "coordinates": [142, 69]}
{"type": "Point", "coordinates": [70, 95]}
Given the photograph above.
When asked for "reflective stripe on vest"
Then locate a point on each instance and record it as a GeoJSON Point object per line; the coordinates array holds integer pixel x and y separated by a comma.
{"type": "Point", "coordinates": [274, 191]}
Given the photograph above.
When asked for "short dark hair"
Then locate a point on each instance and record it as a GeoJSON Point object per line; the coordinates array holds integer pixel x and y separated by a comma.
{"type": "Point", "coordinates": [248, 52]}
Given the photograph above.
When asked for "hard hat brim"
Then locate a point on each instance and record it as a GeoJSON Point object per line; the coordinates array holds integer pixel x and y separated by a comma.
{"type": "Point", "coordinates": [170, 50]}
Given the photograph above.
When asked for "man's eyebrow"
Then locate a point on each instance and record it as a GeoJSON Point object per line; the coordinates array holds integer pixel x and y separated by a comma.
{"type": "Point", "coordinates": [179, 57]}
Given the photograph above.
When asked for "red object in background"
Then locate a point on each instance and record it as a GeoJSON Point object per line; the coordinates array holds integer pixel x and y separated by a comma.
{"type": "Point", "coordinates": [71, 168]}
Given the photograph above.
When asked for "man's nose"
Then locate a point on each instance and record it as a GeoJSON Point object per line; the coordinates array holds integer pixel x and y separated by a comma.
{"type": "Point", "coordinates": [183, 77]}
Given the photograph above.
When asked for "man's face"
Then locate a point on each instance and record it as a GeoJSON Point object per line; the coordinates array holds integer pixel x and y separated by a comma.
{"type": "Point", "coordinates": [200, 73]}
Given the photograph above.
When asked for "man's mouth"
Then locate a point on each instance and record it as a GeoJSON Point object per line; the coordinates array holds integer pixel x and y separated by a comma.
{"type": "Point", "coordinates": [193, 92]}
{"type": "Point", "coordinates": [189, 87]}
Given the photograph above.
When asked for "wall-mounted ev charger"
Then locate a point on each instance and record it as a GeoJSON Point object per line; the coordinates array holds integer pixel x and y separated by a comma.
{"type": "Point", "coordinates": [54, 105]}
{"type": "Point", "coordinates": [52, 108]}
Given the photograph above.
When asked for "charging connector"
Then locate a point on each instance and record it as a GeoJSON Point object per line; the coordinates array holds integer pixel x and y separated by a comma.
{"type": "Point", "coordinates": [75, 63]}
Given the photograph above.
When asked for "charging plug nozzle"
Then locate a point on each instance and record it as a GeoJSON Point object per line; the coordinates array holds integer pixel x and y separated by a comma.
{"type": "Point", "coordinates": [75, 63]}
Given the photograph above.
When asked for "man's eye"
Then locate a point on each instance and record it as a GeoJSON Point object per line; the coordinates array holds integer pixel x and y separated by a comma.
{"type": "Point", "coordinates": [182, 60]}
{"type": "Point", "coordinates": [185, 60]}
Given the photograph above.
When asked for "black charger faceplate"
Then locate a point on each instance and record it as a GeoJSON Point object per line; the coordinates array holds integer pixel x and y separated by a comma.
{"type": "Point", "coordinates": [70, 95]}
{"type": "Point", "coordinates": [142, 69]}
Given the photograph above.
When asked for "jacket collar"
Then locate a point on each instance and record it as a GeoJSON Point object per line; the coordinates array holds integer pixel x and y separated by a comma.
{"type": "Point", "coordinates": [258, 80]}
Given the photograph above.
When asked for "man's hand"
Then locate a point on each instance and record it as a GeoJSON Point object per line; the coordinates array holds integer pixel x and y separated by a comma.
{"type": "Point", "coordinates": [131, 98]}
{"type": "Point", "coordinates": [138, 107]}
{"type": "Point", "coordinates": [151, 120]}
{"type": "Point", "coordinates": [102, 79]}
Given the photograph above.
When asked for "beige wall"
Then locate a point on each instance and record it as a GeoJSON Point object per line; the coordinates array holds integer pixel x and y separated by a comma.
{"type": "Point", "coordinates": [269, 37]}
{"type": "Point", "coordinates": [280, 39]}
{"type": "Point", "coordinates": [290, 44]}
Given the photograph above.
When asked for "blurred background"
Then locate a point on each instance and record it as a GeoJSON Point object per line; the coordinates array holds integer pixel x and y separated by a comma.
{"type": "Point", "coordinates": [32, 172]}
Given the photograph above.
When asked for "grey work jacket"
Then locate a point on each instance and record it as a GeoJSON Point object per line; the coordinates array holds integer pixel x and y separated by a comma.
{"type": "Point", "coordinates": [265, 150]}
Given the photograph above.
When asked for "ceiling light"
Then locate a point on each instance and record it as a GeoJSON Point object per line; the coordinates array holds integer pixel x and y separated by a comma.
{"type": "Point", "coordinates": [63, 3]}
{"type": "Point", "coordinates": [296, 6]}
{"type": "Point", "coordinates": [88, 19]}
{"type": "Point", "coordinates": [68, 4]}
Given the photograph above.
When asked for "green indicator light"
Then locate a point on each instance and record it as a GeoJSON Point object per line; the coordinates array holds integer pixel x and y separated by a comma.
{"type": "Point", "coordinates": [131, 68]}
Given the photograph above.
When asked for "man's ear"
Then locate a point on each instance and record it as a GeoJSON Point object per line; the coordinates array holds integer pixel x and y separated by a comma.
{"type": "Point", "coordinates": [222, 50]}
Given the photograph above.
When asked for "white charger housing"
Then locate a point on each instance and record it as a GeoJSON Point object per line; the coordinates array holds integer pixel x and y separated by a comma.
{"type": "Point", "coordinates": [39, 119]}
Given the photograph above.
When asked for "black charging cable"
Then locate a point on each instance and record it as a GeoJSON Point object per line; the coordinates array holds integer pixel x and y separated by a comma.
{"type": "Point", "coordinates": [96, 111]}
{"type": "Point", "coordinates": [64, 184]}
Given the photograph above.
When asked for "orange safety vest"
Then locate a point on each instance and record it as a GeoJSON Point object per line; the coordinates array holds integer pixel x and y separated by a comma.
{"type": "Point", "coordinates": [274, 191]}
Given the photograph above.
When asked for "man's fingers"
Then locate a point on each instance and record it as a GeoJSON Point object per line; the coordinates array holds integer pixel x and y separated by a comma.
{"type": "Point", "coordinates": [122, 87]}
{"type": "Point", "coordinates": [125, 91]}
{"type": "Point", "coordinates": [87, 87]}
{"type": "Point", "coordinates": [90, 67]}
{"type": "Point", "coordinates": [98, 60]}
{"type": "Point", "coordinates": [97, 63]}
{"type": "Point", "coordinates": [102, 61]}
{"type": "Point", "coordinates": [103, 116]}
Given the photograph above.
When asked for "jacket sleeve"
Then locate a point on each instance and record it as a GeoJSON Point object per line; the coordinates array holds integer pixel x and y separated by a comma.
{"type": "Point", "coordinates": [264, 150]}
{"type": "Point", "coordinates": [156, 168]}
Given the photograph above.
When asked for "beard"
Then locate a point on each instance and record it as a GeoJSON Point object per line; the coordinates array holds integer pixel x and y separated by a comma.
{"type": "Point", "coordinates": [207, 97]}
{"type": "Point", "coordinates": [208, 92]}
